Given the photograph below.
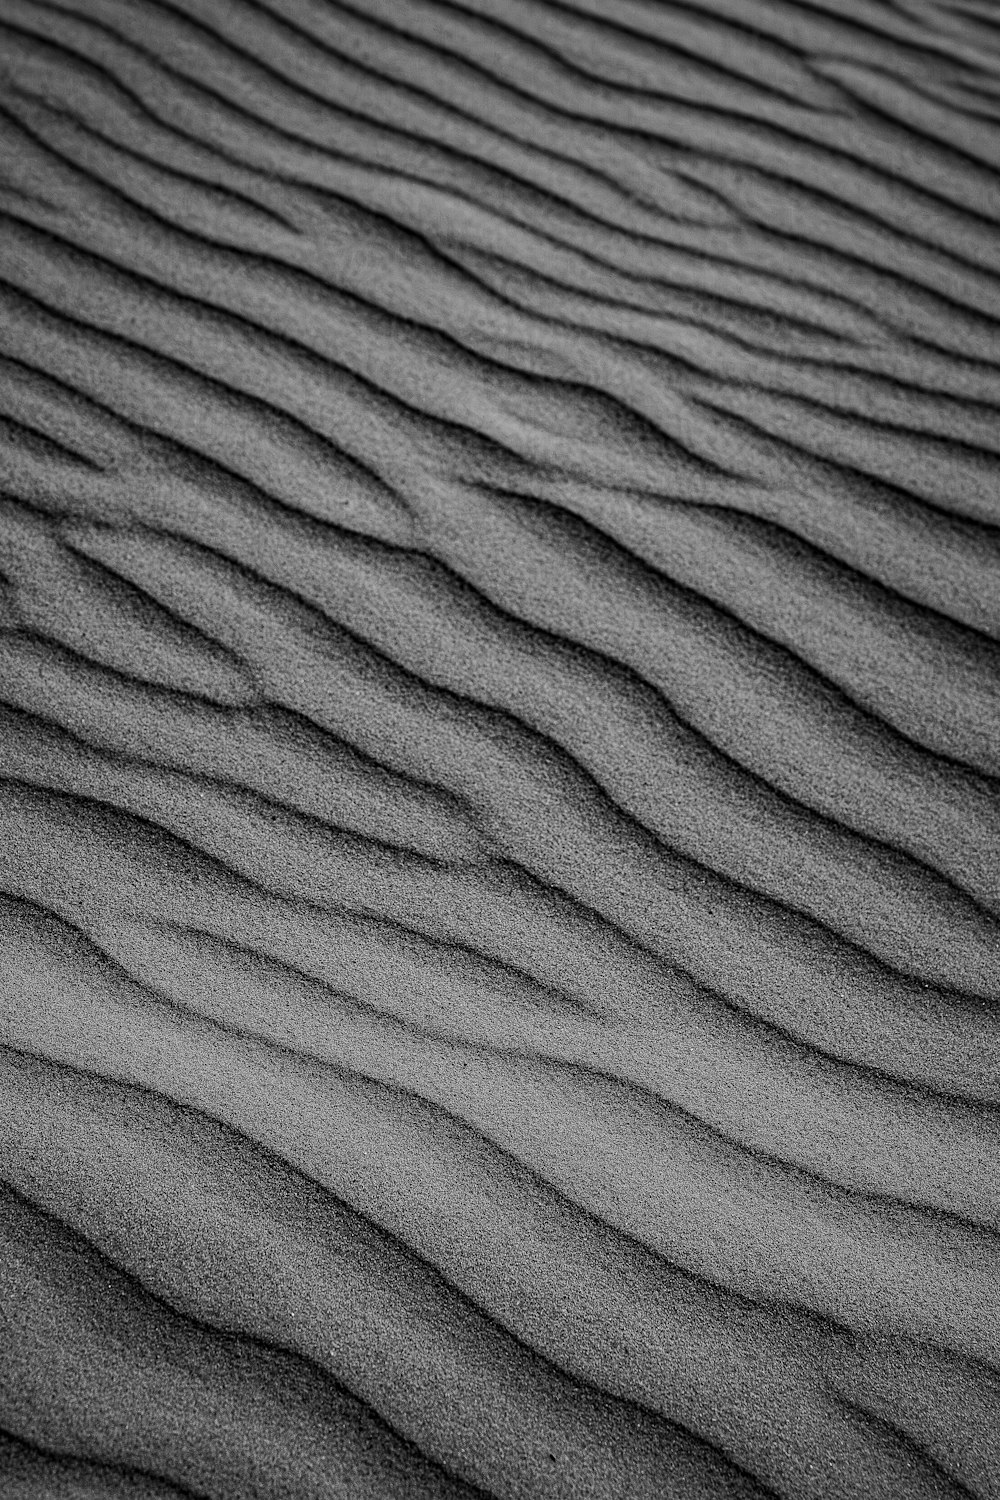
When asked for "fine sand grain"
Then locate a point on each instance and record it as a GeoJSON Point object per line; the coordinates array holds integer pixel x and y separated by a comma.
{"type": "Point", "coordinates": [499, 749]}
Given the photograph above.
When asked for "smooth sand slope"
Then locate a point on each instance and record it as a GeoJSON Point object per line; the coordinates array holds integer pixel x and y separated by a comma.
{"type": "Point", "coordinates": [499, 749]}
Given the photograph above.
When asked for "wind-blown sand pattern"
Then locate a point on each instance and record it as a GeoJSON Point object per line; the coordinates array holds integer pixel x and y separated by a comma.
{"type": "Point", "coordinates": [500, 749]}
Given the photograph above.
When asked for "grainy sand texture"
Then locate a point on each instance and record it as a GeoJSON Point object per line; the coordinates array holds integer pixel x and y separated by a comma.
{"type": "Point", "coordinates": [499, 749]}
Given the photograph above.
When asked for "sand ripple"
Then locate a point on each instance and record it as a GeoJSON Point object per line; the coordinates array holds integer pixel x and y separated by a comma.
{"type": "Point", "coordinates": [499, 749]}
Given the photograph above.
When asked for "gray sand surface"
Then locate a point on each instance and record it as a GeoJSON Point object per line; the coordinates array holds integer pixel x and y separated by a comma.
{"type": "Point", "coordinates": [499, 749]}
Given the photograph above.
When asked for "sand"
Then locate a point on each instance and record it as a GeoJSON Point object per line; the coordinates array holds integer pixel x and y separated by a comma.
{"type": "Point", "coordinates": [499, 749]}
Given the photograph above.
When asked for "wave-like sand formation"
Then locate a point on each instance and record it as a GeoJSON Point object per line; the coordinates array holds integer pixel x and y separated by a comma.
{"type": "Point", "coordinates": [500, 749]}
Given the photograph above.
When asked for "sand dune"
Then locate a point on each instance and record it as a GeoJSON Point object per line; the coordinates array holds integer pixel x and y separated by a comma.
{"type": "Point", "coordinates": [499, 749]}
